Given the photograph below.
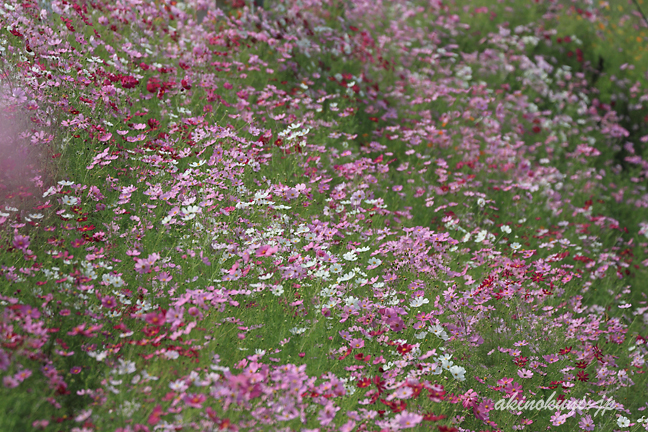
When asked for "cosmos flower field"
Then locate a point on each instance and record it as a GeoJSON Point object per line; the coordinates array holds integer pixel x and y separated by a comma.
{"type": "Point", "coordinates": [322, 215]}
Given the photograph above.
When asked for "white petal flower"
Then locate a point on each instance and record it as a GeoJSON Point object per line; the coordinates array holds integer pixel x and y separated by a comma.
{"type": "Point", "coordinates": [171, 355]}
{"type": "Point", "coordinates": [418, 301]}
{"type": "Point", "coordinates": [69, 200]}
{"type": "Point", "coordinates": [178, 385]}
{"type": "Point", "coordinates": [374, 261]}
{"type": "Point", "coordinates": [350, 256]}
{"type": "Point", "coordinates": [336, 268]}
{"type": "Point", "coordinates": [623, 422]}
{"type": "Point", "coordinates": [458, 372]}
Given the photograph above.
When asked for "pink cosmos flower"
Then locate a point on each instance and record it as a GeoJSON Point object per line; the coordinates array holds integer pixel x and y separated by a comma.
{"type": "Point", "coordinates": [109, 302]}
{"type": "Point", "coordinates": [469, 399]}
{"type": "Point", "coordinates": [194, 400]}
{"type": "Point", "coordinates": [40, 424]}
{"type": "Point", "coordinates": [504, 381]}
{"type": "Point", "coordinates": [266, 250]}
{"type": "Point", "coordinates": [155, 318]}
{"type": "Point", "coordinates": [22, 375]}
{"type": "Point", "coordinates": [357, 343]}
{"type": "Point", "coordinates": [514, 389]}
{"type": "Point", "coordinates": [406, 420]}
{"type": "Point", "coordinates": [327, 414]}
{"type": "Point", "coordinates": [175, 314]}
{"type": "Point", "coordinates": [21, 242]}
{"type": "Point", "coordinates": [586, 423]}
{"type": "Point", "coordinates": [481, 411]}
{"type": "Point", "coordinates": [164, 277]}
{"type": "Point", "coordinates": [558, 418]}
{"type": "Point", "coordinates": [551, 358]}
{"type": "Point", "coordinates": [525, 373]}
{"type": "Point", "coordinates": [77, 243]}
{"type": "Point", "coordinates": [348, 426]}
{"type": "Point", "coordinates": [402, 393]}
{"type": "Point", "coordinates": [142, 266]}
{"type": "Point", "coordinates": [10, 382]}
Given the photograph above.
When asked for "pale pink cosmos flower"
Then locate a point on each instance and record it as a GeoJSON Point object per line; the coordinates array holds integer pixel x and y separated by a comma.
{"type": "Point", "coordinates": [10, 382]}
{"type": "Point", "coordinates": [558, 418]}
{"type": "Point", "coordinates": [402, 393]}
{"type": "Point", "coordinates": [40, 424]}
{"type": "Point", "coordinates": [586, 423]}
{"type": "Point", "coordinates": [22, 375]}
{"type": "Point", "coordinates": [357, 343]}
{"type": "Point", "coordinates": [525, 373]}
{"type": "Point", "coordinates": [406, 420]}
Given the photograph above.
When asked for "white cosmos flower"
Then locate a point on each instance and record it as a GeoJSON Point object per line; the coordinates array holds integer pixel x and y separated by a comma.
{"type": "Point", "coordinates": [99, 356]}
{"type": "Point", "coordinates": [191, 209]}
{"type": "Point", "coordinates": [346, 277]}
{"type": "Point", "coordinates": [506, 229]}
{"type": "Point", "coordinates": [419, 301]}
{"type": "Point", "coordinates": [516, 246]}
{"type": "Point", "coordinates": [261, 195]}
{"type": "Point", "coordinates": [330, 303]}
{"type": "Point", "coordinates": [277, 290]}
{"type": "Point", "coordinates": [147, 377]}
{"type": "Point", "coordinates": [436, 370]}
{"type": "Point", "coordinates": [178, 385]}
{"type": "Point", "coordinates": [623, 422]}
{"type": "Point", "coordinates": [336, 268]}
{"type": "Point", "coordinates": [458, 372]}
{"type": "Point", "coordinates": [69, 200]}
{"type": "Point", "coordinates": [171, 355]}
{"type": "Point", "coordinates": [481, 236]}
{"type": "Point", "coordinates": [351, 301]}
{"type": "Point", "coordinates": [439, 331]}
{"type": "Point", "coordinates": [350, 256]}
{"type": "Point", "coordinates": [298, 330]}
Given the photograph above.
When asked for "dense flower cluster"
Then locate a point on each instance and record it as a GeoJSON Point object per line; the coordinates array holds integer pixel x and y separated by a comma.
{"type": "Point", "coordinates": [314, 217]}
